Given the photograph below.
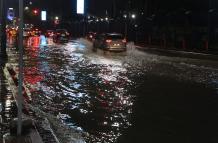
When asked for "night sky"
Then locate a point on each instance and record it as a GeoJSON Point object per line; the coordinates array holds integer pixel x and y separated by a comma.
{"type": "Point", "coordinates": [99, 7]}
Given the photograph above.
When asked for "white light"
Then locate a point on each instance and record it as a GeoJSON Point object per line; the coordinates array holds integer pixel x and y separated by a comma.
{"type": "Point", "coordinates": [133, 16]}
{"type": "Point", "coordinates": [43, 15]}
{"type": "Point", "coordinates": [10, 14]}
{"type": "Point", "coordinates": [102, 19]}
{"type": "Point", "coordinates": [125, 16]}
{"type": "Point", "coordinates": [106, 19]}
{"type": "Point", "coordinates": [56, 18]}
{"type": "Point", "coordinates": [80, 6]}
{"type": "Point", "coordinates": [26, 8]}
{"type": "Point", "coordinates": [97, 20]}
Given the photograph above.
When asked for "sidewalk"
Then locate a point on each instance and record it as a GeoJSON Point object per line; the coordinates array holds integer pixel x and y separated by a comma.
{"type": "Point", "coordinates": [178, 53]}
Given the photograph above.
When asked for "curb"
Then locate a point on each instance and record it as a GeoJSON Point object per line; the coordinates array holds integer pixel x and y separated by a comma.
{"type": "Point", "coordinates": [174, 53]}
{"type": "Point", "coordinates": [12, 78]}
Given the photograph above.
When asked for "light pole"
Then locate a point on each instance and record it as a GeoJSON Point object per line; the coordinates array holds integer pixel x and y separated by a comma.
{"type": "Point", "coordinates": [108, 24]}
{"type": "Point", "coordinates": [20, 76]}
{"type": "Point", "coordinates": [3, 53]}
{"type": "Point", "coordinates": [126, 25]}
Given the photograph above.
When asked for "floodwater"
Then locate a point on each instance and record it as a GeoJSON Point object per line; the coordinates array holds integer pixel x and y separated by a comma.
{"type": "Point", "coordinates": [125, 97]}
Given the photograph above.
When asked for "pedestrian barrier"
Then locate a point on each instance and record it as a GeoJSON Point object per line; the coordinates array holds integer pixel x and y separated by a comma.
{"type": "Point", "coordinates": [12, 78]}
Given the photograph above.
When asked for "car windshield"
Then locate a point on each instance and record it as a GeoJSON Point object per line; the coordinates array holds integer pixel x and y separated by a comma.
{"type": "Point", "coordinates": [61, 30]}
{"type": "Point", "coordinates": [115, 37]}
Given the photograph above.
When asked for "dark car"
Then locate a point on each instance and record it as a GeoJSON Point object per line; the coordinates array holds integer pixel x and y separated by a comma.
{"type": "Point", "coordinates": [61, 35]}
{"type": "Point", "coordinates": [110, 42]}
{"type": "Point", "coordinates": [49, 33]}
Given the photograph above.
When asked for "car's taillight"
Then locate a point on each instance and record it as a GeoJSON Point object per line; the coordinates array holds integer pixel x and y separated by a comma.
{"type": "Point", "coordinates": [108, 41]}
{"type": "Point", "coordinates": [124, 40]}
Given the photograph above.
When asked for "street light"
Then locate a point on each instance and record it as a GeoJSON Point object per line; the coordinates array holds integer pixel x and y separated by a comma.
{"type": "Point", "coordinates": [26, 8]}
{"type": "Point", "coordinates": [133, 16]}
{"type": "Point", "coordinates": [125, 16]}
{"type": "Point", "coordinates": [56, 18]}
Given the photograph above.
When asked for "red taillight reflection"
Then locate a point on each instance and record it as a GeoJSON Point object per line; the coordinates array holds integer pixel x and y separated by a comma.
{"type": "Point", "coordinates": [108, 41]}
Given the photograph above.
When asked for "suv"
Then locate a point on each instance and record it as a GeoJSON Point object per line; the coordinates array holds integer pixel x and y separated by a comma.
{"type": "Point", "coordinates": [61, 35]}
{"type": "Point", "coordinates": [110, 42]}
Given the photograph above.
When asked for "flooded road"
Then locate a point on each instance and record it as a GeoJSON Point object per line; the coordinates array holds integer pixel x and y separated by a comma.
{"type": "Point", "coordinates": [125, 97]}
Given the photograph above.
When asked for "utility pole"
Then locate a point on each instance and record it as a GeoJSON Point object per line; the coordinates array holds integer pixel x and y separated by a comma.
{"type": "Point", "coordinates": [20, 76]}
{"type": "Point", "coordinates": [3, 53]}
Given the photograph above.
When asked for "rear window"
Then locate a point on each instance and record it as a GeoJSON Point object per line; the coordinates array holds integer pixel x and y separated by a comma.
{"type": "Point", "coordinates": [115, 37]}
{"type": "Point", "coordinates": [61, 30]}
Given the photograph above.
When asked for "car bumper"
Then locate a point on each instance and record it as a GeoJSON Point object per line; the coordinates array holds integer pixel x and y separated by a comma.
{"type": "Point", "coordinates": [117, 49]}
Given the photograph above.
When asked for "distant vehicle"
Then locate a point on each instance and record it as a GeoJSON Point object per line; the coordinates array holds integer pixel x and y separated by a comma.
{"type": "Point", "coordinates": [110, 42]}
{"type": "Point", "coordinates": [61, 35]}
{"type": "Point", "coordinates": [26, 33]}
{"type": "Point", "coordinates": [91, 36]}
{"type": "Point", "coordinates": [35, 32]}
{"type": "Point", "coordinates": [12, 31]}
{"type": "Point", "coordinates": [49, 33]}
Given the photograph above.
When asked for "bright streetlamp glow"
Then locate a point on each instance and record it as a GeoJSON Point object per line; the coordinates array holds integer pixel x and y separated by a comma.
{"type": "Point", "coordinates": [133, 16]}
{"type": "Point", "coordinates": [56, 18]}
{"type": "Point", "coordinates": [26, 8]}
{"type": "Point", "coordinates": [125, 15]}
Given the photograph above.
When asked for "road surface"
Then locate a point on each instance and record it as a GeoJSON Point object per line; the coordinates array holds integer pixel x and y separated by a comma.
{"type": "Point", "coordinates": [125, 97]}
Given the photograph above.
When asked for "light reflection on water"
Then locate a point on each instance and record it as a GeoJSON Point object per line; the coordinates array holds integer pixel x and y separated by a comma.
{"type": "Point", "coordinates": [88, 95]}
{"type": "Point", "coordinates": [89, 91]}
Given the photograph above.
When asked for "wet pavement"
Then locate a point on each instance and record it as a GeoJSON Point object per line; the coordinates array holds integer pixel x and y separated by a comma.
{"type": "Point", "coordinates": [8, 109]}
{"type": "Point", "coordinates": [125, 97]}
